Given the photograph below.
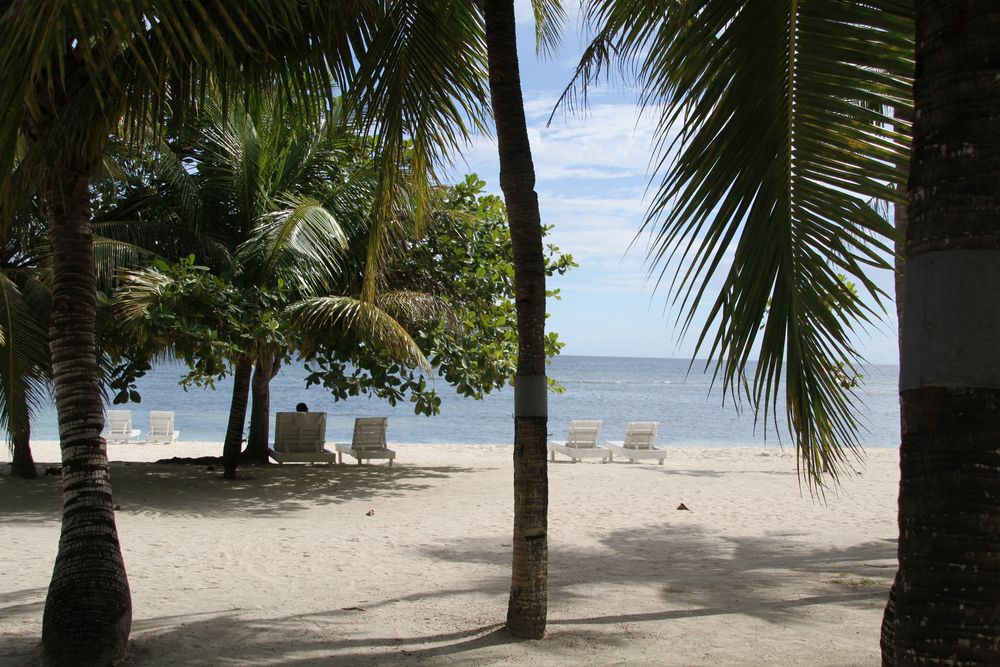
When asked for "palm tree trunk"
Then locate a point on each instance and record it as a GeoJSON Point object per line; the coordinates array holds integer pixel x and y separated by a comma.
{"type": "Point", "coordinates": [947, 605]}
{"type": "Point", "coordinates": [88, 610]}
{"type": "Point", "coordinates": [527, 607]}
{"type": "Point", "coordinates": [21, 462]}
{"type": "Point", "coordinates": [237, 417]}
{"type": "Point", "coordinates": [260, 408]}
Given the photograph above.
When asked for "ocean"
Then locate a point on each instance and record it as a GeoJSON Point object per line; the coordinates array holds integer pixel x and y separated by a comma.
{"type": "Point", "coordinates": [614, 389]}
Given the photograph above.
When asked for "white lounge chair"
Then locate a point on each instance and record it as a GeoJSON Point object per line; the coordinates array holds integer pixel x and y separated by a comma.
{"type": "Point", "coordinates": [639, 443]}
{"type": "Point", "coordinates": [581, 441]}
{"type": "Point", "coordinates": [120, 427]}
{"type": "Point", "coordinates": [161, 428]}
{"type": "Point", "coordinates": [299, 438]}
{"type": "Point", "coordinates": [368, 441]}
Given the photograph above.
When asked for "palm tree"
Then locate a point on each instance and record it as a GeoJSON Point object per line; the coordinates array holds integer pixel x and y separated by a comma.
{"type": "Point", "coordinates": [947, 592]}
{"type": "Point", "coordinates": [527, 606]}
{"type": "Point", "coordinates": [24, 358]}
{"type": "Point", "coordinates": [247, 181]}
{"type": "Point", "coordinates": [839, 71]}
{"type": "Point", "coordinates": [68, 74]}
{"type": "Point", "coordinates": [275, 195]}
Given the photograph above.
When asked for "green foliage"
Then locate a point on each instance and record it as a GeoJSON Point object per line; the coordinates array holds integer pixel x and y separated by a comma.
{"type": "Point", "coordinates": [465, 321]}
{"type": "Point", "coordinates": [289, 207]}
{"type": "Point", "coordinates": [187, 310]}
{"type": "Point", "coordinates": [464, 259]}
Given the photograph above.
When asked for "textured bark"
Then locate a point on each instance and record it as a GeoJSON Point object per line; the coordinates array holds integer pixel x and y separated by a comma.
{"type": "Point", "coordinates": [947, 592]}
{"type": "Point", "coordinates": [260, 409]}
{"type": "Point", "coordinates": [237, 417]}
{"type": "Point", "coordinates": [527, 607]}
{"type": "Point", "coordinates": [88, 610]}
{"type": "Point", "coordinates": [21, 462]}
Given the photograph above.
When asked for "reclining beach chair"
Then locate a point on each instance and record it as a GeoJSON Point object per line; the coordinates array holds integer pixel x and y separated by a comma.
{"type": "Point", "coordinates": [161, 428]}
{"type": "Point", "coordinates": [640, 438]}
{"type": "Point", "coordinates": [299, 438]}
{"type": "Point", "coordinates": [581, 441]}
{"type": "Point", "coordinates": [368, 441]}
{"type": "Point", "coordinates": [120, 427]}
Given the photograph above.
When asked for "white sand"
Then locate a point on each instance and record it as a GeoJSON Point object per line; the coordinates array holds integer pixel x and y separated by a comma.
{"type": "Point", "coordinates": [285, 567]}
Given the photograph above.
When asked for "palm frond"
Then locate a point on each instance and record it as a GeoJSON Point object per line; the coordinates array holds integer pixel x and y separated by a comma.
{"type": "Point", "coordinates": [140, 290]}
{"type": "Point", "coordinates": [413, 309]}
{"type": "Point", "coordinates": [145, 59]}
{"type": "Point", "coordinates": [549, 18]}
{"type": "Point", "coordinates": [775, 130]}
{"type": "Point", "coordinates": [24, 358]}
{"type": "Point", "coordinates": [111, 256]}
{"type": "Point", "coordinates": [320, 318]}
{"type": "Point", "coordinates": [420, 92]}
{"type": "Point", "coordinates": [301, 241]}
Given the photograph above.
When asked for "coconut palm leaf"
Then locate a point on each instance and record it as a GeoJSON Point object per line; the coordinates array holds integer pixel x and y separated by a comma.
{"type": "Point", "coordinates": [775, 133]}
{"type": "Point", "coordinates": [300, 242]}
{"type": "Point", "coordinates": [24, 353]}
{"type": "Point", "coordinates": [140, 290]}
{"type": "Point", "coordinates": [414, 309]}
{"type": "Point", "coordinates": [419, 92]}
{"type": "Point", "coordinates": [320, 318]}
{"type": "Point", "coordinates": [549, 18]}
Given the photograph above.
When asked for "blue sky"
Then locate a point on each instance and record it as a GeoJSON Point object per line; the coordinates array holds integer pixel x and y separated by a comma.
{"type": "Point", "coordinates": [592, 172]}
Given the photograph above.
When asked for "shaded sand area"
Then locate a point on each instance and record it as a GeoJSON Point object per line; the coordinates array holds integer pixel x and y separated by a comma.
{"type": "Point", "coordinates": [285, 566]}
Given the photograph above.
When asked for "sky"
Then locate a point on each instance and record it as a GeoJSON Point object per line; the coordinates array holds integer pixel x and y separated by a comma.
{"type": "Point", "coordinates": [592, 172]}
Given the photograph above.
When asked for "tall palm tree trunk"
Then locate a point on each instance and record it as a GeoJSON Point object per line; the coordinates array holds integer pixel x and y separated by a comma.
{"type": "Point", "coordinates": [526, 609]}
{"type": "Point", "coordinates": [260, 408]}
{"type": "Point", "coordinates": [947, 606]}
{"type": "Point", "coordinates": [237, 417]}
{"type": "Point", "coordinates": [22, 464]}
{"type": "Point", "coordinates": [88, 610]}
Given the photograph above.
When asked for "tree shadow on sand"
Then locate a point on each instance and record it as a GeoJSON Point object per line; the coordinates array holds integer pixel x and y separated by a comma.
{"type": "Point", "coordinates": [195, 491]}
{"type": "Point", "coordinates": [698, 574]}
{"type": "Point", "coordinates": [323, 638]}
{"type": "Point", "coordinates": [774, 579]}
{"type": "Point", "coordinates": [689, 571]}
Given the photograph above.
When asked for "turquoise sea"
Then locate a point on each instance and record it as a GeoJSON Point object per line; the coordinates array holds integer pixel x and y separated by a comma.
{"type": "Point", "coordinates": [614, 389]}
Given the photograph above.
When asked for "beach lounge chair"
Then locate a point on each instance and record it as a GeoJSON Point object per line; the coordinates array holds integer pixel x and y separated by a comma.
{"type": "Point", "coordinates": [299, 438]}
{"type": "Point", "coordinates": [640, 438]}
{"type": "Point", "coordinates": [161, 428]}
{"type": "Point", "coordinates": [368, 441]}
{"type": "Point", "coordinates": [581, 441]}
{"type": "Point", "coordinates": [120, 427]}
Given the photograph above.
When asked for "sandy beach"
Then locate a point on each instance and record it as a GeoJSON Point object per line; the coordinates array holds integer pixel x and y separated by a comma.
{"type": "Point", "coordinates": [286, 566]}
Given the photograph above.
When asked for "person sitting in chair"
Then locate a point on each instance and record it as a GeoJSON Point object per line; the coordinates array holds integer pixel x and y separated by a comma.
{"type": "Point", "coordinates": [302, 407]}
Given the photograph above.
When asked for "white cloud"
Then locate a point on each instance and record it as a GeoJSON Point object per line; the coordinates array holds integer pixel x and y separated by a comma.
{"type": "Point", "coordinates": [608, 141]}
